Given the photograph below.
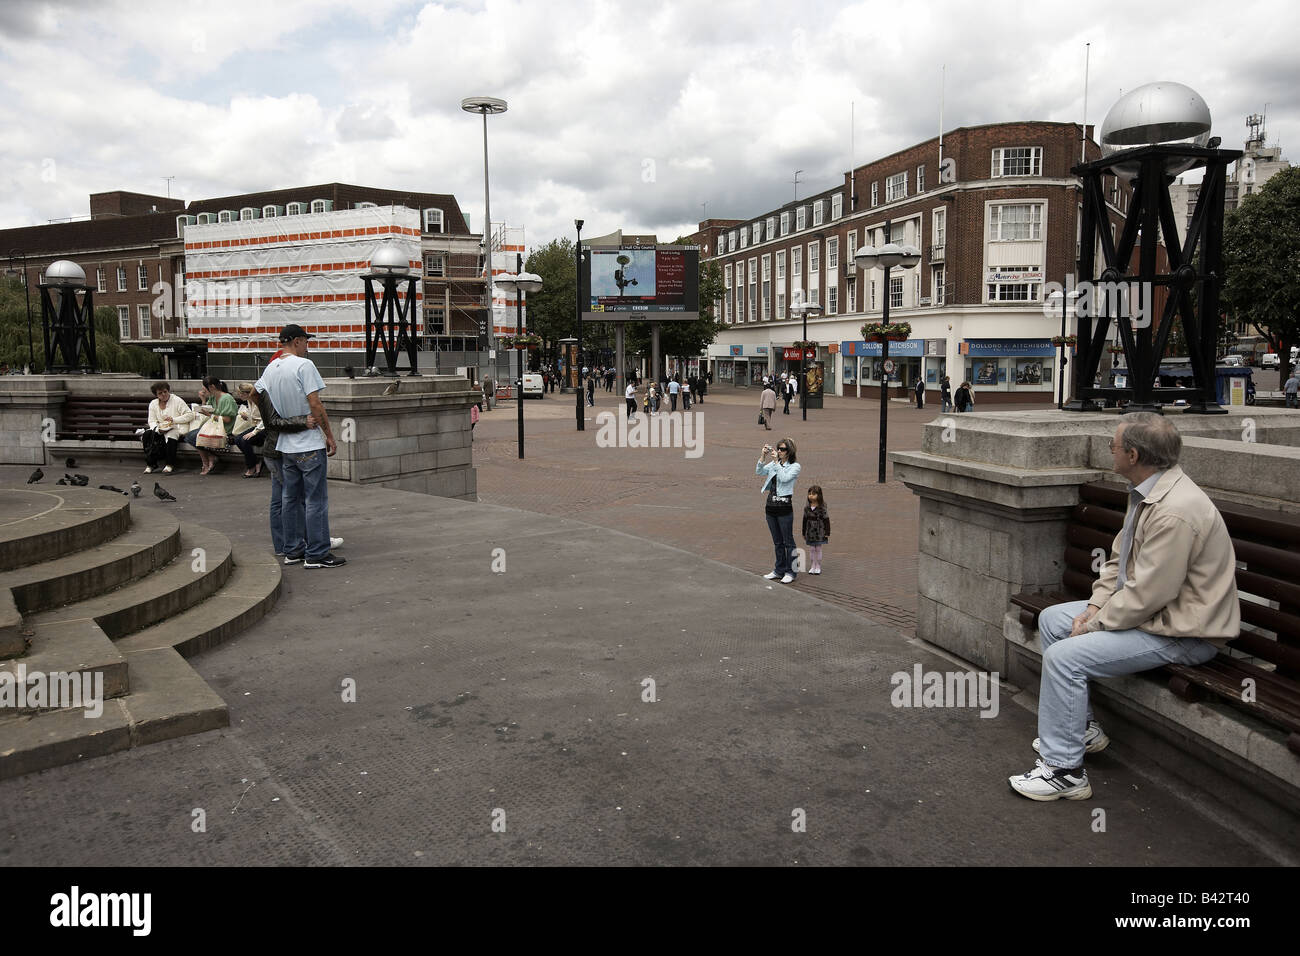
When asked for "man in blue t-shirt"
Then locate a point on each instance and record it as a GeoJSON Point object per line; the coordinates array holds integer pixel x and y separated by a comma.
{"type": "Point", "coordinates": [295, 385]}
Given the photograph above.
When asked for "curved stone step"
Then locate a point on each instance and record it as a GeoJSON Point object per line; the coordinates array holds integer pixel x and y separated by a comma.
{"type": "Point", "coordinates": [151, 542]}
{"type": "Point", "coordinates": [43, 522]}
{"type": "Point", "coordinates": [250, 592]}
{"type": "Point", "coordinates": [40, 741]}
{"type": "Point", "coordinates": [203, 565]}
{"type": "Point", "coordinates": [67, 647]}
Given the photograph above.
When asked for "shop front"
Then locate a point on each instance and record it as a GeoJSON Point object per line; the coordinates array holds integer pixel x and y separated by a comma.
{"type": "Point", "coordinates": [1022, 370]}
{"type": "Point", "coordinates": [861, 367]}
{"type": "Point", "coordinates": [739, 365]}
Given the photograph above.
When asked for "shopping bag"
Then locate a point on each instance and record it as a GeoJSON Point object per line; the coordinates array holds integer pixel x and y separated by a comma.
{"type": "Point", "coordinates": [212, 435]}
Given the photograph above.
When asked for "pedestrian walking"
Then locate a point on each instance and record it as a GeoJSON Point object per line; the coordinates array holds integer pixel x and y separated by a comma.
{"type": "Point", "coordinates": [920, 393]}
{"type": "Point", "coordinates": [782, 471]}
{"type": "Point", "coordinates": [686, 395]}
{"type": "Point", "coordinates": [816, 528]}
{"type": "Point", "coordinates": [787, 391]}
{"type": "Point", "coordinates": [965, 401]}
{"type": "Point", "coordinates": [629, 396]}
{"type": "Point", "coordinates": [295, 386]}
{"type": "Point", "coordinates": [674, 389]}
{"type": "Point", "coordinates": [767, 406]}
{"type": "Point", "coordinates": [945, 392]}
{"type": "Point", "coordinates": [1291, 388]}
{"type": "Point", "coordinates": [591, 390]}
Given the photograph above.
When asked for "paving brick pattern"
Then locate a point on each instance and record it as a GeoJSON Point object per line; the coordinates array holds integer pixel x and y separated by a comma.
{"type": "Point", "coordinates": [710, 505]}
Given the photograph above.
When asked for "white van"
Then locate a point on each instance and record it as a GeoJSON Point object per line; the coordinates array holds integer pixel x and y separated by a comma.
{"type": "Point", "coordinates": [533, 385]}
{"type": "Point", "coordinates": [1270, 360]}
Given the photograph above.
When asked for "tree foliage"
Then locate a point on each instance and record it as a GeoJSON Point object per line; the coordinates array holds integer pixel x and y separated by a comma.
{"type": "Point", "coordinates": [1261, 262]}
{"type": "Point", "coordinates": [111, 354]}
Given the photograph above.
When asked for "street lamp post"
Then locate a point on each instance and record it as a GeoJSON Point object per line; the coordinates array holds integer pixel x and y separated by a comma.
{"type": "Point", "coordinates": [804, 308]}
{"type": "Point", "coordinates": [485, 106]}
{"type": "Point", "coordinates": [888, 256]}
{"type": "Point", "coordinates": [581, 412]}
{"type": "Point", "coordinates": [18, 254]}
{"type": "Point", "coordinates": [520, 284]}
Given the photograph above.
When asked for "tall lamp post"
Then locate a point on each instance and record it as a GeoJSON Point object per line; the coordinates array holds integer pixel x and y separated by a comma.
{"type": "Point", "coordinates": [12, 272]}
{"type": "Point", "coordinates": [520, 283]}
{"type": "Point", "coordinates": [889, 256]}
{"type": "Point", "coordinates": [485, 105]}
{"type": "Point", "coordinates": [582, 423]}
{"type": "Point", "coordinates": [804, 308]}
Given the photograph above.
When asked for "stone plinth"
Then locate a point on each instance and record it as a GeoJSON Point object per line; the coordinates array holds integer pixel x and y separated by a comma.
{"type": "Point", "coordinates": [996, 490]}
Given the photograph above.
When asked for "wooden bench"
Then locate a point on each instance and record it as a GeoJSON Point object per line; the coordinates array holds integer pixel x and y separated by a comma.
{"type": "Point", "coordinates": [104, 419]}
{"type": "Point", "coordinates": [1267, 651]}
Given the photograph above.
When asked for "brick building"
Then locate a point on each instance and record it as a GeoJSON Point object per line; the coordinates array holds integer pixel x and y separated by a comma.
{"type": "Point", "coordinates": [996, 214]}
{"type": "Point", "coordinates": [132, 248]}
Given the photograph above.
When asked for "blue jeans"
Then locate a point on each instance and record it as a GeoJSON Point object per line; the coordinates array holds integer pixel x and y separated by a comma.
{"type": "Point", "coordinates": [782, 529]}
{"type": "Point", "coordinates": [305, 506]}
{"type": "Point", "coordinates": [1290, 399]}
{"type": "Point", "coordinates": [1068, 663]}
{"type": "Point", "coordinates": [276, 467]}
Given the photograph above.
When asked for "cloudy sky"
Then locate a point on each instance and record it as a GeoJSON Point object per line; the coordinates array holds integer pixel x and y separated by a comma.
{"type": "Point", "coordinates": [626, 114]}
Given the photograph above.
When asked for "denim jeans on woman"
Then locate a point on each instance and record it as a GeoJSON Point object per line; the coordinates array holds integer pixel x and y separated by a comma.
{"type": "Point", "coordinates": [782, 530]}
{"type": "Point", "coordinates": [306, 530]}
{"type": "Point", "coordinates": [276, 467]}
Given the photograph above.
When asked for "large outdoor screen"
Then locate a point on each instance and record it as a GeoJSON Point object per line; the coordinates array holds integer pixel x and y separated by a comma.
{"type": "Point", "coordinates": [641, 283]}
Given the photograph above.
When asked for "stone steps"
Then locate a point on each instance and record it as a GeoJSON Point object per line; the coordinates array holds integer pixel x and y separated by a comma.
{"type": "Point", "coordinates": [142, 597]}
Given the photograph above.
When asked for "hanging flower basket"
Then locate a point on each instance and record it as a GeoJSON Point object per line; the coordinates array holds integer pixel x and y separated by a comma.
{"type": "Point", "coordinates": [1059, 340]}
{"type": "Point", "coordinates": [522, 342]}
{"type": "Point", "coordinates": [882, 331]}
{"type": "Point", "coordinates": [1115, 349]}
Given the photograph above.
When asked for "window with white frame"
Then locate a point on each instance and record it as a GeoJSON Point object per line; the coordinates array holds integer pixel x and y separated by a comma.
{"type": "Point", "coordinates": [142, 278]}
{"type": "Point", "coordinates": [121, 278]}
{"type": "Point", "coordinates": [726, 276]}
{"type": "Point", "coordinates": [851, 248]}
{"type": "Point", "coordinates": [767, 268]}
{"type": "Point", "coordinates": [780, 303]}
{"type": "Point", "coordinates": [1018, 161]}
{"type": "Point", "coordinates": [123, 322]}
{"type": "Point", "coordinates": [837, 206]}
{"type": "Point", "coordinates": [142, 313]}
{"type": "Point", "coordinates": [744, 238]}
{"type": "Point", "coordinates": [833, 254]}
{"type": "Point", "coordinates": [814, 273]}
{"type": "Point", "coordinates": [435, 264]}
{"type": "Point", "coordinates": [785, 224]}
{"type": "Point", "coordinates": [226, 215]}
{"type": "Point", "coordinates": [819, 214]}
{"type": "Point", "coordinates": [853, 297]}
{"type": "Point", "coordinates": [937, 276]}
{"type": "Point", "coordinates": [896, 187]}
{"type": "Point", "coordinates": [872, 305]}
{"type": "Point", "coordinates": [732, 244]}
{"type": "Point", "coordinates": [895, 292]}
{"type": "Point", "coordinates": [767, 287]}
{"type": "Point", "coordinates": [940, 227]}
{"type": "Point", "coordinates": [1012, 284]}
{"type": "Point", "coordinates": [101, 281]}
{"type": "Point", "coordinates": [318, 205]}
{"type": "Point", "coordinates": [780, 266]}
{"type": "Point", "coordinates": [753, 290]}
{"type": "Point", "coordinates": [801, 219]}
{"type": "Point", "coordinates": [433, 220]}
{"type": "Point", "coordinates": [1015, 222]}
{"type": "Point", "coordinates": [796, 262]}
{"type": "Point", "coordinates": [920, 178]}
{"type": "Point", "coordinates": [832, 299]}
{"type": "Point", "coordinates": [875, 194]}
{"type": "Point", "coordinates": [814, 258]}
{"type": "Point", "coordinates": [294, 209]}
{"type": "Point", "coordinates": [758, 233]}
{"type": "Point", "coordinates": [770, 231]}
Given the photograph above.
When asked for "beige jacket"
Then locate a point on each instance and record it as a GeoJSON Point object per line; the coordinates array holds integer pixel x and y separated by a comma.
{"type": "Point", "coordinates": [1181, 576]}
{"type": "Point", "coordinates": [767, 401]}
{"type": "Point", "coordinates": [176, 410]}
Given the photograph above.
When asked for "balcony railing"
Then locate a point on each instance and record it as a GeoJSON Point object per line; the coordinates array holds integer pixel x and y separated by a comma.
{"type": "Point", "coordinates": [936, 253]}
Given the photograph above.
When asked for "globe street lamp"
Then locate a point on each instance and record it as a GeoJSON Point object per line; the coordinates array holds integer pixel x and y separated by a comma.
{"type": "Point", "coordinates": [521, 282]}
{"type": "Point", "coordinates": [890, 255]}
{"type": "Point", "coordinates": [803, 308]}
{"type": "Point", "coordinates": [485, 105]}
{"type": "Point", "coordinates": [12, 272]}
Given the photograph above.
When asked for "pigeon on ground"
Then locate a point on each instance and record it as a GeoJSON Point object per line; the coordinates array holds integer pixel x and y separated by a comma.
{"type": "Point", "coordinates": [62, 481]}
{"type": "Point", "coordinates": [79, 480]}
{"type": "Point", "coordinates": [116, 491]}
{"type": "Point", "coordinates": [162, 493]}
{"type": "Point", "coordinates": [36, 476]}
{"type": "Point", "coordinates": [135, 489]}
{"type": "Point", "coordinates": [392, 389]}
{"type": "Point", "coordinates": [70, 464]}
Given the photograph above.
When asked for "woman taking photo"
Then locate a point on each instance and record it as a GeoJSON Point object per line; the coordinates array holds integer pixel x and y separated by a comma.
{"type": "Point", "coordinates": [782, 471]}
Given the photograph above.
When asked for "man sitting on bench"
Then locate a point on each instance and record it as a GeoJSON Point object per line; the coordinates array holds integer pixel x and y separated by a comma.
{"type": "Point", "coordinates": [1168, 595]}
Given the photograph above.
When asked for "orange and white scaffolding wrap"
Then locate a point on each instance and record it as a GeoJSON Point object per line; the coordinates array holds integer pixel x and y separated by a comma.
{"type": "Point", "coordinates": [246, 280]}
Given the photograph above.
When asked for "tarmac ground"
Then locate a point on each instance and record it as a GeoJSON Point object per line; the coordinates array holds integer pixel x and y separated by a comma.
{"type": "Point", "coordinates": [585, 667]}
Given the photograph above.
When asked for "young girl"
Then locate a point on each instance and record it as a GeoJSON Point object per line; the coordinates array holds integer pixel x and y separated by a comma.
{"type": "Point", "coordinates": [816, 528]}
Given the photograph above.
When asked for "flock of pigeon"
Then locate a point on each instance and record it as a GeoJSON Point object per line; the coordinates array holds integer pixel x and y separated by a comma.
{"type": "Point", "coordinates": [80, 481]}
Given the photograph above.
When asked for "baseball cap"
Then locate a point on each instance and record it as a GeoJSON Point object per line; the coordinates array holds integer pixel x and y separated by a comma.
{"type": "Point", "coordinates": [291, 332]}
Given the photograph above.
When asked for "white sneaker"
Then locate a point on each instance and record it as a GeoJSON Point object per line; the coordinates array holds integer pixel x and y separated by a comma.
{"type": "Point", "coordinates": [788, 579]}
{"type": "Point", "coordinates": [1094, 739]}
{"type": "Point", "coordinates": [148, 470]}
{"type": "Point", "coordinates": [1046, 783]}
{"type": "Point", "coordinates": [336, 543]}
{"type": "Point", "coordinates": [771, 576]}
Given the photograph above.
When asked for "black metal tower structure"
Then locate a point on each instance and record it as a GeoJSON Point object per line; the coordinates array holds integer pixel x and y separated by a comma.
{"type": "Point", "coordinates": [1195, 266]}
{"type": "Point", "coordinates": [68, 325]}
{"type": "Point", "coordinates": [390, 320]}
